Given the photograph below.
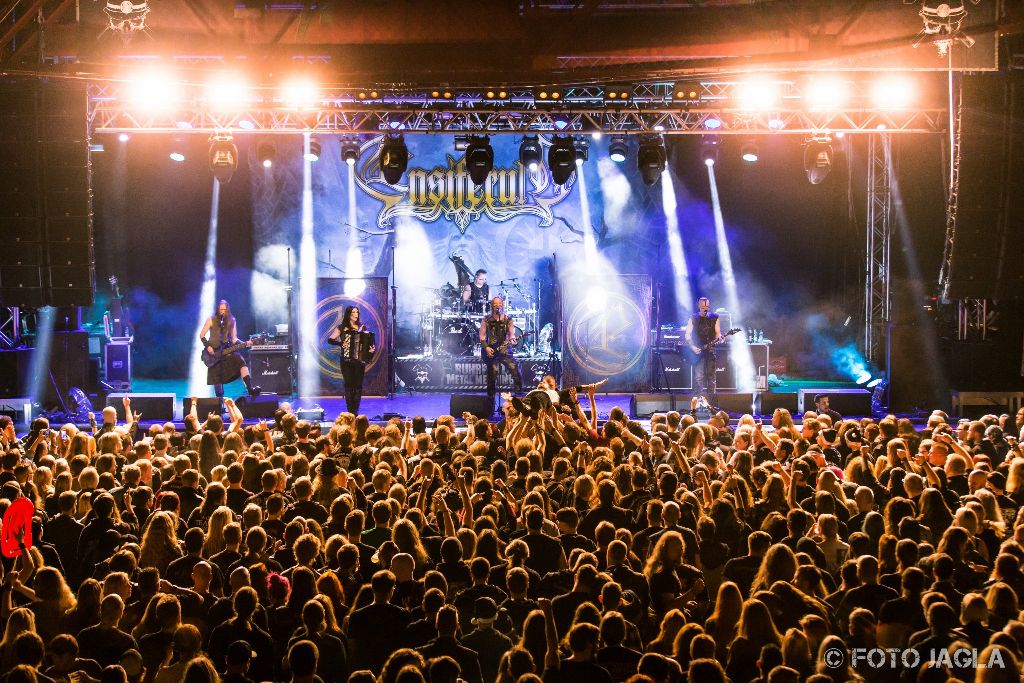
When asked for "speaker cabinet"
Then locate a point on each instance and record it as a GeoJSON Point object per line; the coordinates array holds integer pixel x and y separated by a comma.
{"type": "Point", "coordinates": [770, 401]}
{"type": "Point", "coordinates": [645, 405]}
{"type": "Point", "coordinates": [272, 371]}
{"type": "Point", "coordinates": [261, 407]}
{"type": "Point", "coordinates": [14, 366]}
{"type": "Point", "coordinates": [204, 406]}
{"type": "Point", "coordinates": [475, 404]}
{"type": "Point", "coordinates": [675, 372]}
{"type": "Point", "coordinates": [69, 365]}
{"type": "Point", "coordinates": [159, 407]}
{"type": "Point", "coordinates": [117, 365]}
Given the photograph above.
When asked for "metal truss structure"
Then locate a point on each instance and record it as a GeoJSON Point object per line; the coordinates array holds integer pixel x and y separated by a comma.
{"type": "Point", "coordinates": [10, 327]}
{"type": "Point", "coordinates": [668, 108]}
{"type": "Point", "coordinates": [877, 293]}
{"type": "Point", "coordinates": [952, 194]}
{"type": "Point", "coordinates": [972, 319]}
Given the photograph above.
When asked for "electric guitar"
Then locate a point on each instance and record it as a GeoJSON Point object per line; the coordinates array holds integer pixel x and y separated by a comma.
{"type": "Point", "coordinates": [503, 347]}
{"type": "Point", "coordinates": [211, 359]}
{"type": "Point", "coordinates": [716, 342]}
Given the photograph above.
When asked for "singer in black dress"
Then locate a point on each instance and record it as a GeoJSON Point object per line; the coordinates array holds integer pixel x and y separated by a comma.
{"type": "Point", "coordinates": [352, 365]}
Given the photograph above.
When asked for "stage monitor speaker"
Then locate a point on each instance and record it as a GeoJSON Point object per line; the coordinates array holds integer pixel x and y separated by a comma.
{"type": "Point", "coordinates": [475, 404]}
{"type": "Point", "coordinates": [14, 367]}
{"type": "Point", "coordinates": [736, 403]}
{"type": "Point", "coordinates": [645, 405]}
{"type": "Point", "coordinates": [770, 401]}
{"type": "Point", "coordinates": [261, 407]}
{"type": "Point", "coordinates": [272, 371]}
{"type": "Point", "coordinates": [204, 406]}
{"type": "Point", "coordinates": [676, 372]}
{"type": "Point", "coordinates": [156, 406]}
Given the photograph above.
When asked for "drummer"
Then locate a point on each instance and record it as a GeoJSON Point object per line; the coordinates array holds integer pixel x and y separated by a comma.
{"type": "Point", "coordinates": [479, 291]}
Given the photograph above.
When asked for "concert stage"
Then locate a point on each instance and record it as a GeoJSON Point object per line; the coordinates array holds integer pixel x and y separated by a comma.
{"type": "Point", "coordinates": [431, 404]}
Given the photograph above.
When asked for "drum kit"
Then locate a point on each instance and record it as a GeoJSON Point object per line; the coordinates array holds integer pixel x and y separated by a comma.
{"type": "Point", "coordinates": [451, 327]}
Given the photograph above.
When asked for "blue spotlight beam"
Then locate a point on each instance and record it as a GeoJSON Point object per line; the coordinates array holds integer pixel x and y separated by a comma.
{"type": "Point", "coordinates": [680, 271]}
{"type": "Point", "coordinates": [745, 374]}
{"type": "Point", "coordinates": [39, 368]}
{"type": "Point", "coordinates": [207, 295]}
{"type": "Point", "coordinates": [308, 338]}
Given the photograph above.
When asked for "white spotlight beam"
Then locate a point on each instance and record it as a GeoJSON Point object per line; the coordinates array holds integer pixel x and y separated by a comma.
{"type": "Point", "coordinates": [197, 371]}
{"type": "Point", "coordinates": [680, 272]}
{"type": "Point", "coordinates": [745, 374]}
{"type": "Point", "coordinates": [308, 338]}
{"type": "Point", "coordinates": [39, 368]}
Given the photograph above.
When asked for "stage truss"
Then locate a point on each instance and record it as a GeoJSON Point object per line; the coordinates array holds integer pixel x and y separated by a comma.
{"type": "Point", "coordinates": [707, 108]}
{"type": "Point", "coordinates": [878, 232]}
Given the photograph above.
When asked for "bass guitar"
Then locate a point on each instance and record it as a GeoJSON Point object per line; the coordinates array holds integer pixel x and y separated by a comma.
{"type": "Point", "coordinates": [211, 359]}
{"type": "Point", "coordinates": [717, 342]}
{"type": "Point", "coordinates": [503, 347]}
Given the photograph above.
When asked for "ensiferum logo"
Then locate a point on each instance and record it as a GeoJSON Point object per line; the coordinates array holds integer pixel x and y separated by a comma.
{"type": "Point", "coordinates": [446, 192]}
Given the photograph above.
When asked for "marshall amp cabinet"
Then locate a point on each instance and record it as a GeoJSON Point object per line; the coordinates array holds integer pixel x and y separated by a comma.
{"type": "Point", "coordinates": [271, 369]}
{"type": "Point", "coordinates": [674, 372]}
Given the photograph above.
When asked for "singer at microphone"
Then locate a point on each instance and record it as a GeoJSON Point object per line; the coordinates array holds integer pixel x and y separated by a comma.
{"type": "Point", "coordinates": [224, 364]}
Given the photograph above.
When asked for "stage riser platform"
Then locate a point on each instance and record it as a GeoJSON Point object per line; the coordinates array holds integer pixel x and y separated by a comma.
{"type": "Point", "coordinates": [465, 373]}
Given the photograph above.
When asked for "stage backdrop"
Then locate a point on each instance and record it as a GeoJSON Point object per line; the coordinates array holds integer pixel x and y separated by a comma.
{"type": "Point", "coordinates": [606, 332]}
{"type": "Point", "coordinates": [373, 310]}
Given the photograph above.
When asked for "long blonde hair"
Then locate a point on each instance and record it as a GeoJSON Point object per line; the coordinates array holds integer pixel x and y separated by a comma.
{"type": "Point", "coordinates": [659, 556]}
{"type": "Point", "coordinates": [214, 543]}
{"type": "Point", "coordinates": [159, 543]}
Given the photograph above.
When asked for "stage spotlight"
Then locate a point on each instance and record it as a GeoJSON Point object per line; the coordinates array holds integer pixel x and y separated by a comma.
{"type": "Point", "coordinates": [349, 150]}
{"type": "Point", "coordinates": [394, 157]}
{"type": "Point", "coordinates": [709, 150]}
{"type": "Point", "coordinates": [266, 153]}
{"type": "Point", "coordinates": [153, 89]}
{"type": "Point", "coordinates": [893, 92]}
{"type": "Point", "coordinates": [223, 157]}
{"type": "Point", "coordinates": [818, 155]}
{"type": "Point", "coordinates": [299, 93]}
{"type": "Point", "coordinates": [228, 91]}
{"type": "Point", "coordinates": [597, 298]}
{"type": "Point", "coordinates": [314, 151]}
{"type": "Point", "coordinates": [651, 158]}
{"type": "Point", "coordinates": [177, 156]}
{"type": "Point", "coordinates": [757, 94]}
{"type": "Point", "coordinates": [826, 94]}
{"type": "Point", "coordinates": [530, 153]}
{"type": "Point", "coordinates": [712, 123]}
{"type": "Point", "coordinates": [618, 93]}
{"type": "Point", "coordinates": [617, 148]}
{"type": "Point", "coordinates": [479, 158]}
{"type": "Point", "coordinates": [562, 159]}
{"type": "Point", "coordinates": [749, 152]}
{"type": "Point", "coordinates": [582, 148]}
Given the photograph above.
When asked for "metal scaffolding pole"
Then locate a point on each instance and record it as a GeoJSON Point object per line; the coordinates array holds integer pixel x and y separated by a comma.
{"type": "Point", "coordinates": [877, 296]}
{"type": "Point", "coordinates": [953, 191]}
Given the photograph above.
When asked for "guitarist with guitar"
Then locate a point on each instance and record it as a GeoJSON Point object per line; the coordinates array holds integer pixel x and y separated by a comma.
{"type": "Point", "coordinates": [497, 336]}
{"type": "Point", "coordinates": [703, 333]}
{"type": "Point", "coordinates": [224, 364]}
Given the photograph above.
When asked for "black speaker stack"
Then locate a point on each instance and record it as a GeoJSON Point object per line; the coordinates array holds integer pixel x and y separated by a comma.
{"type": "Point", "coordinates": [45, 195]}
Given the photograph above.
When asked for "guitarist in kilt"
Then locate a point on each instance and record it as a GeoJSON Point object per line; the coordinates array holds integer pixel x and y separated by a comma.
{"type": "Point", "coordinates": [702, 332]}
{"type": "Point", "coordinates": [220, 332]}
{"type": "Point", "coordinates": [497, 336]}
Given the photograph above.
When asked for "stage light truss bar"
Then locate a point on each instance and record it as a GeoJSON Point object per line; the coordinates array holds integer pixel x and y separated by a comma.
{"type": "Point", "coordinates": [952, 195]}
{"type": "Point", "coordinates": [10, 327]}
{"type": "Point", "coordinates": [877, 292]}
{"type": "Point", "coordinates": [109, 116]}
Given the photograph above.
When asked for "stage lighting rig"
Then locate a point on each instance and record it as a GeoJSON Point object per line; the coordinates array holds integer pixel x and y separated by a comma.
{"type": "Point", "coordinates": [581, 146]}
{"type": "Point", "coordinates": [314, 151]}
{"type": "Point", "coordinates": [223, 157]}
{"type": "Point", "coordinates": [479, 158]}
{"type": "Point", "coordinates": [562, 158]}
{"type": "Point", "coordinates": [617, 148]}
{"type": "Point", "coordinates": [394, 158]}
{"type": "Point", "coordinates": [349, 150]}
{"type": "Point", "coordinates": [266, 153]}
{"type": "Point", "coordinates": [943, 22]}
{"type": "Point", "coordinates": [651, 158]}
{"type": "Point", "coordinates": [749, 152]}
{"type": "Point", "coordinates": [126, 18]}
{"type": "Point", "coordinates": [818, 156]}
{"type": "Point", "coordinates": [530, 154]}
{"type": "Point", "coordinates": [709, 150]}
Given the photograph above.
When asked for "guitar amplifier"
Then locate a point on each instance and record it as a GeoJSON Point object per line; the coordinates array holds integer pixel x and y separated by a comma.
{"type": "Point", "coordinates": [272, 371]}
{"type": "Point", "coordinates": [675, 373]}
{"type": "Point", "coordinates": [117, 365]}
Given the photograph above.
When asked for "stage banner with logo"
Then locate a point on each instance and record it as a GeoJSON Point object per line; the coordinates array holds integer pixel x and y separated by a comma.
{"type": "Point", "coordinates": [370, 295]}
{"type": "Point", "coordinates": [606, 325]}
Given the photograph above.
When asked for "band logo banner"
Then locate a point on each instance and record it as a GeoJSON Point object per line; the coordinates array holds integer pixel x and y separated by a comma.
{"type": "Point", "coordinates": [370, 295]}
{"type": "Point", "coordinates": [605, 332]}
{"type": "Point", "coordinates": [445, 192]}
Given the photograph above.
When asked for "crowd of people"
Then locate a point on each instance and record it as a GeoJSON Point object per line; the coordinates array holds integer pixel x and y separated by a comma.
{"type": "Point", "coordinates": [547, 546]}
